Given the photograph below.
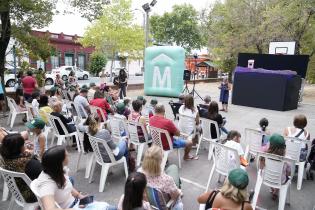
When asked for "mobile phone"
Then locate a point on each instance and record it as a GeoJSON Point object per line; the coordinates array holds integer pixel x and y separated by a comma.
{"type": "Point", "coordinates": [86, 200]}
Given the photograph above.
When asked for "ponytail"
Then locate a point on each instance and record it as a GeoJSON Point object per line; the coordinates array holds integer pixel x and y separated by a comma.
{"type": "Point", "coordinates": [93, 124]}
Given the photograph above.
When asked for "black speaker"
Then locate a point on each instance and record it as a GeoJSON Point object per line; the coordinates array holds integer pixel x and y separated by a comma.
{"type": "Point", "coordinates": [186, 76]}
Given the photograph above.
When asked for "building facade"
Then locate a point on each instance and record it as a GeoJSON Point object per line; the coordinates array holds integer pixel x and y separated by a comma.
{"type": "Point", "coordinates": [68, 52]}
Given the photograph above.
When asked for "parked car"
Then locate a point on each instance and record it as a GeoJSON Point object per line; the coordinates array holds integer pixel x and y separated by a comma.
{"type": "Point", "coordinates": [64, 72]}
{"type": "Point", "coordinates": [9, 79]}
{"type": "Point", "coordinates": [115, 72]}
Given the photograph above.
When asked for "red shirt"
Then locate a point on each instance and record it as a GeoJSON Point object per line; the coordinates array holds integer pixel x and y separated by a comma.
{"type": "Point", "coordinates": [29, 84]}
{"type": "Point", "coordinates": [101, 103]}
{"type": "Point", "coordinates": [166, 124]}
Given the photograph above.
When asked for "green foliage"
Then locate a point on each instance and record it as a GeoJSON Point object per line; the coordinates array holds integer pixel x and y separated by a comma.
{"type": "Point", "coordinates": [250, 25]}
{"type": "Point", "coordinates": [115, 31]}
{"type": "Point", "coordinates": [97, 62]}
{"type": "Point", "coordinates": [90, 10]}
{"type": "Point", "coordinates": [180, 27]}
{"type": "Point", "coordinates": [311, 70]}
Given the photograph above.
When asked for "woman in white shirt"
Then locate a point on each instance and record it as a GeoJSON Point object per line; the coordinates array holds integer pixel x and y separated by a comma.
{"type": "Point", "coordinates": [187, 126]}
{"type": "Point", "coordinates": [53, 185]}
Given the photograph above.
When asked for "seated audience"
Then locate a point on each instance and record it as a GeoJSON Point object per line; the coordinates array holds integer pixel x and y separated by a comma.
{"type": "Point", "coordinates": [91, 92]}
{"type": "Point", "coordinates": [299, 131]}
{"type": "Point", "coordinates": [188, 109]}
{"type": "Point", "coordinates": [40, 142]}
{"type": "Point", "coordinates": [263, 127]}
{"type": "Point", "coordinates": [232, 195]}
{"type": "Point", "coordinates": [149, 111]}
{"type": "Point", "coordinates": [142, 99]}
{"type": "Point", "coordinates": [59, 83]}
{"type": "Point", "coordinates": [277, 147]}
{"type": "Point", "coordinates": [54, 95]}
{"type": "Point", "coordinates": [234, 142]}
{"type": "Point", "coordinates": [83, 104]}
{"type": "Point", "coordinates": [213, 114]}
{"type": "Point", "coordinates": [67, 121]}
{"type": "Point", "coordinates": [54, 186]}
{"type": "Point", "coordinates": [14, 158]}
{"type": "Point", "coordinates": [101, 102]}
{"type": "Point", "coordinates": [203, 108]}
{"type": "Point", "coordinates": [4, 132]}
{"type": "Point", "coordinates": [44, 108]}
{"type": "Point", "coordinates": [167, 182]}
{"type": "Point", "coordinates": [159, 121]}
{"type": "Point", "coordinates": [93, 128]}
{"type": "Point", "coordinates": [133, 198]}
{"type": "Point", "coordinates": [127, 102]}
{"type": "Point", "coordinates": [136, 116]}
{"type": "Point", "coordinates": [122, 110]}
{"type": "Point", "coordinates": [34, 100]}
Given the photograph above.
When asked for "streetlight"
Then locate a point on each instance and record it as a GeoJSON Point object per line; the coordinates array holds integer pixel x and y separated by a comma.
{"type": "Point", "coordinates": [147, 8]}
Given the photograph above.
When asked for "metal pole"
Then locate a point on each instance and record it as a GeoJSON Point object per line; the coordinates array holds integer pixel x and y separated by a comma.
{"type": "Point", "coordinates": [14, 62]}
{"type": "Point", "coordinates": [147, 29]}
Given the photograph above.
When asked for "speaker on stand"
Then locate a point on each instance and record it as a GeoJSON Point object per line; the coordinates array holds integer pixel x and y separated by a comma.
{"type": "Point", "coordinates": [186, 78]}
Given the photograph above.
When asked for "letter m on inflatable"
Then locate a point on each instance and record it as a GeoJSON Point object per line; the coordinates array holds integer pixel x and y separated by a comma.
{"type": "Point", "coordinates": [164, 69]}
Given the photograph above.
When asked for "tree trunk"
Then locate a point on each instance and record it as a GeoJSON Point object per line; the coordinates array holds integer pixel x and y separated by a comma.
{"type": "Point", "coordinates": [4, 42]}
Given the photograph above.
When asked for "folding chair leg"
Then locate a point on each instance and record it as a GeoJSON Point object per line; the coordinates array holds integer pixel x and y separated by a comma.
{"type": "Point", "coordinates": [92, 172]}
{"type": "Point", "coordinates": [9, 118]}
{"type": "Point", "coordinates": [210, 177]}
{"type": "Point", "coordinates": [11, 203]}
{"type": "Point", "coordinates": [78, 162]}
{"type": "Point", "coordinates": [282, 196]}
{"type": "Point", "coordinates": [257, 189]}
{"type": "Point", "coordinates": [139, 153]}
{"type": "Point", "coordinates": [12, 119]}
{"type": "Point", "coordinates": [78, 142]}
{"type": "Point", "coordinates": [126, 168]}
{"type": "Point", "coordinates": [300, 175]}
{"type": "Point", "coordinates": [198, 147]}
{"type": "Point", "coordinates": [202, 206]}
{"type": "Point", "coordinates": [164, 160]}
{"type": "Point", "coordinates": [60, 140]}
{"type": "Point", "coordinates": [5, 192]}
{"type": "Point", "coordinates": [179, 160]}
{"type": "Point", "coordinates": [89, 164]}
{"type": "Point", "coordinates": [104, 173]}
{"type": "Point", "coordinates": [210, 151]}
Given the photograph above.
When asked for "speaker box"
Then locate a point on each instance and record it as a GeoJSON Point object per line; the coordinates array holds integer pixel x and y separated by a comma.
{"type": "Point", "coordinates": [187, 74]}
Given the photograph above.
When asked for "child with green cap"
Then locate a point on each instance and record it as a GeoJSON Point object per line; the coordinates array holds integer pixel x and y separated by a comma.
{"type": "Point", "coordinates": [277, 147]}
{"type": "Point", "coordinates": [232, 195]}
{"type": "Point", "coordinates": [40, 143]}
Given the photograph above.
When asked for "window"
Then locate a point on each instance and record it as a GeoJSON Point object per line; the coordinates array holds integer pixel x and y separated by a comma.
{"type": "Point", "coordinates": [54, 60]}
{"type": "Point", "coordinates": [81, 61]}
{"type": "Point", "coordinates": [67, 37]}
{"type": "Point", "coordinates": [40, 64]}
{"type": "Point", "coordinates": [54, 36]}
{"type": "Point", "coordinates": [69, 60]}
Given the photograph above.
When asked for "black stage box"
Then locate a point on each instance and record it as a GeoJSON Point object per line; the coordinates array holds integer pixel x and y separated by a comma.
{"type": "Point", "coordinates": [267, 91]}
{"type": "Point", "coordinates": [296, 63]}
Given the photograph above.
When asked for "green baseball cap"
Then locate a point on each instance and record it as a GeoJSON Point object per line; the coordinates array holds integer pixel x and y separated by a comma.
{"type": "Point", "coordinates": [141, 98]}
{"type": "Point", "coordinates": [120, 107]}
{"type": "Point", "coordinates": [36, 123]}
{"type": "Point", "coordinates": [53, 89]}
{"type": "Point", "coordinates": [238, 178]}
{"type": "Point", "coordinates": [277, 140]}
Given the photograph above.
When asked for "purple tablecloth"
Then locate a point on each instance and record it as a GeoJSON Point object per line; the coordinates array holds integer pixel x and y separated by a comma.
{"type": "Point", "coordinates": [287, 73]}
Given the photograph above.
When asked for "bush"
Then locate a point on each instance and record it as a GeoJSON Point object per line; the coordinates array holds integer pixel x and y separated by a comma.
{"type": "Point", "coordinates": [97, 62]}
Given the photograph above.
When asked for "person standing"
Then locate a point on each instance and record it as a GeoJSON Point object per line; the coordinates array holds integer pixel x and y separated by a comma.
{"type": "Point", "coordinates": [122, 83]}
{"type": "Point", "coordinates": [224, 94]}
{"type": "Point", "coordinates": [29, 85]}
{"type": "Point", "coordinates": [2, 102]}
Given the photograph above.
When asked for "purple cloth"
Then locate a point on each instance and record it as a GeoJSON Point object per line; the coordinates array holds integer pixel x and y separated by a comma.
{"type": "Point", "coordinates": [264, 71]}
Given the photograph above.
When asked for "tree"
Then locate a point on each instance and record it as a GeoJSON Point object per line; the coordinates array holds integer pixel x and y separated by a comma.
{"type": "Point", "coordinates": [97, 63]}
{"type": "Point", "coordinates": [180, 27]}
{"type": "Point", "coordinates": [115, 31]}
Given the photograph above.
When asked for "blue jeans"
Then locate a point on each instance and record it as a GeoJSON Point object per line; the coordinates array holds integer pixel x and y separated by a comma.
{"type": "Point", "coordinates": [179, 143]}
{"type": "Point", "coordinates": [123, 150]}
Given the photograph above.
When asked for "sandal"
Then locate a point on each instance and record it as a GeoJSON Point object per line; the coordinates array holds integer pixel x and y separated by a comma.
{"type": "Point", "coordinates": [192, 158]}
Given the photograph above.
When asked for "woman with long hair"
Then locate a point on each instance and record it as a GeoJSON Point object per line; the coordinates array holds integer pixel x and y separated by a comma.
{"type": "Point", "coordinates": [225, 88]}
{"type": "Point", "coordinates": [167, 182]}
{"type": "Point", "coordinates": [188, 109]}
{"type": "Point", "coordinates": [213, 114]}
{"type": "Point", "coordinates": [232, 195]}
{"type": "Point", "coordinates": [122, 80]}
{"type": "Point", "coordinates": [15, 158]}
{"type": "Point", "coordinates": [93, 127]}
{"type": "Point", "coordinates": [54, 186]}
{"type": "Point", "coordinates": [134, 191]}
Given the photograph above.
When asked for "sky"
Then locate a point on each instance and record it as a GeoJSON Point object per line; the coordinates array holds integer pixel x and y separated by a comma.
{"type": "Point", "coordinates": [74, 24]}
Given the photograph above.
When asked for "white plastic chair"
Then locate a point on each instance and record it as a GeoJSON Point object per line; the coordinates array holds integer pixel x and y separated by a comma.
{"type": "Point", "coordinates": [271, 176]}
{"type": "Point", "coordinates": [14, 111]}
{"type": "Point", "coordinates": [253, 139]}
{"type": "Point", "coordinates": [80, 136]}
{"type": "Point", "coordinates": [117, 124]}
{"type": "Point", "coordinates": [156, 199]}
{"type": "Point", "coordinates": [9, 178]}
{"type": "Point", "coordinates": [134, 138]}
{"type": "Point", "coordinates": [293, 151]}
{"type": "Point", "coordinates": [34, 188]}
{"type": "Point", "coordinates": [185, 123]}
{"type": "Point", "coordinates": [156, 134]}
{"type": "Point", "coordinates": [225, 159]}
{"type": "Point", "coordinates": [62, 137]}
{"type": "Point", "coordinates": [28, 107]}
{"type": "Point", "coordinates": [78, 107]}
{"type": "Point", "coordinates": [206, 135]}
{"type": "Point", "coordinates": [95, 142]}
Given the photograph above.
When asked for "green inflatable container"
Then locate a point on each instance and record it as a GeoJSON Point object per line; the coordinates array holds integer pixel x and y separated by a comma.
{"type": "Point", "coordinates": [164, 69]}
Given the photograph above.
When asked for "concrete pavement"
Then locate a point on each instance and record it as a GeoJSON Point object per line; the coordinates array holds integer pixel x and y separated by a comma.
{"type": "Point", "coordinates": [195, 173]}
